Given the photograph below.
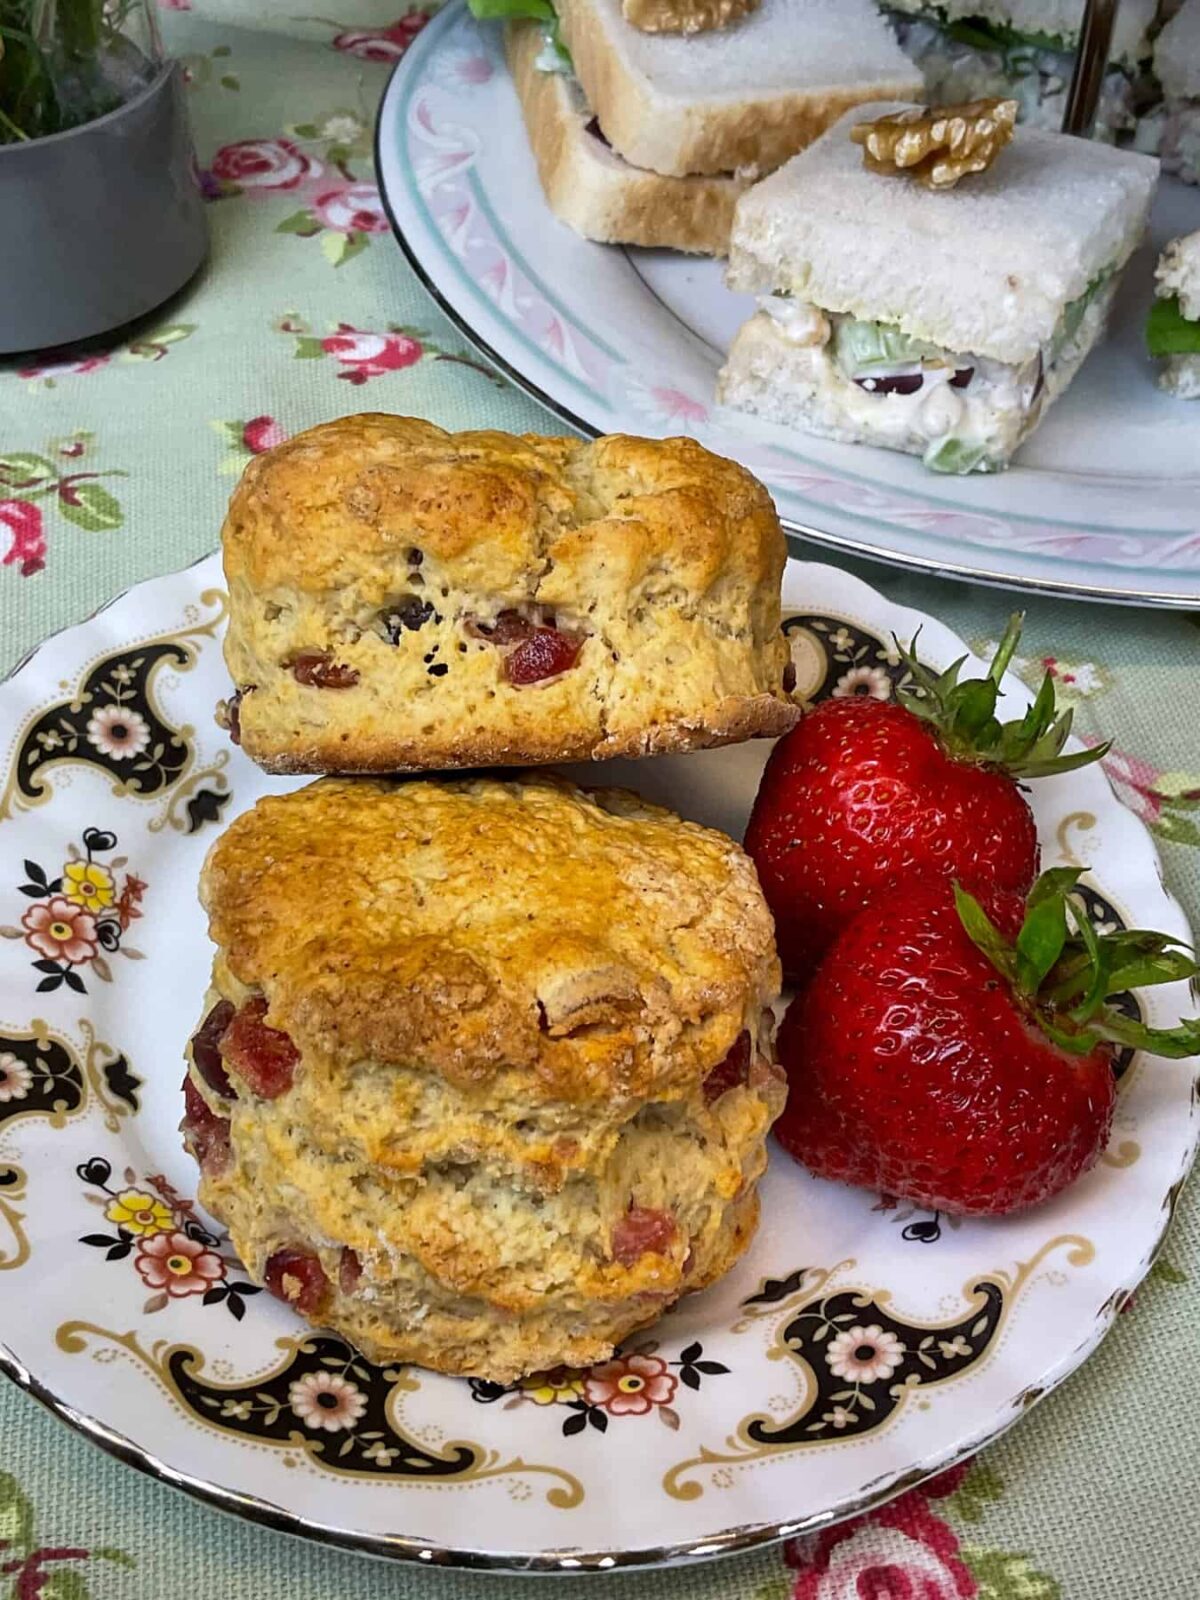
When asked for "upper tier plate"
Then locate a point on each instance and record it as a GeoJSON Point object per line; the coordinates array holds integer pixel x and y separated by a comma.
{"type": "Point", "coordinates": [1104, 502]}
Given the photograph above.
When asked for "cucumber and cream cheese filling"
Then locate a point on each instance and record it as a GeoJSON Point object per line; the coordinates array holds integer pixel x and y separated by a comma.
{"type": "Point", "coordinates": [960, 412]}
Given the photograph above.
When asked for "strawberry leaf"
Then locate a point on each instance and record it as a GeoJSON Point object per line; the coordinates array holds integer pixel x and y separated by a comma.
{"type": "Point", "coordinates": [983, 932]}
{"type": "Point", "coordinates": [1064, 979]}
{"type": "Point", "coordinates": [964, 715]}
{"type": "Point", "coordinates": [1040, 941]}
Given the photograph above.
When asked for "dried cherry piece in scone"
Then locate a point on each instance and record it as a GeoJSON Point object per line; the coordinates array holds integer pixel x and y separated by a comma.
{"type": "Point", "coordinates": [731, 1073]}
{"type": "Point", "coordinates": [206, 1051]}
{"type": "Point", "coordinates": [297, 1277]}
{"type": "Point", "coordinates": [642, 1231]}
{"type": "Point", "coordinates": [319, 670]}
{"type": "Point", "coordinates": [545, 654]}
{"type": "Point", "coordinates": [349, 1271]}
{"type": "Point", "coordinates": [204, 1133]}
{"type": "Point", "coordinates": [265, 1058]}
{"type": "Point", "coordinates": [510, 627]}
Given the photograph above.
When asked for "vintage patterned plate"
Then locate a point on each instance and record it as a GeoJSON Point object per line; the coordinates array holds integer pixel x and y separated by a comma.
{"type": "Point", "coordinates": [1102, 502]}
{"type": "Point", "coordinates": [857, 1348]}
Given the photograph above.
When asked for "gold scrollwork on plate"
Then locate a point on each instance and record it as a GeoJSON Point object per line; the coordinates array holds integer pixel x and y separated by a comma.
{"type": "Point", "coordinates": [326, 1401]}
{"type": "Point", "coordinates": [14, 1250]}
{"type": "Point", "coordinates": [51, 1079]}
{"type": "Point", "coordinates": [112, 722]}
{"type": "Point", "coordinates": [859, 1363]}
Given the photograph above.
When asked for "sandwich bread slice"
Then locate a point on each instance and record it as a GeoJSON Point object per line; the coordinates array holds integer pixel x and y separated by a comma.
{"type": "Point", "coordinates": [1173, 332]}
{"type": "Point", "coordinates": [591, 188]}
{"type": "Point", "coordinates": [938, 323]}
{"type": "Point", "coordinates": [741, 99]}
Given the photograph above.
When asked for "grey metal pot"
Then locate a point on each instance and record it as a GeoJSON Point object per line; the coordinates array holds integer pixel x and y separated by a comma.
{"type": "Point", "coordinates": [100, 224]}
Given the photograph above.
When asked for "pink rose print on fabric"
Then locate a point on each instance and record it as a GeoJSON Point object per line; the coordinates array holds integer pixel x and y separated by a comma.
{"type": "Point", "coordinates": [356, 208]}
{"type": "Point", "coordinates": [248, 438]}
{"type": "Point", "coordinates": [265, 164]}
{"type": "Point", "coordinates": [66, 366]}
{"type": "Point", "coordinates": [1167, 802]}
{"type": "Point", "coordinates": [364, 355]}
{"type": "Point", "coordinates": [384, 45]}
{"type": "Point", "coordinates": [27, 550]}
{"type": "Point", "coordinates": [262, 433]}
{"type": "Point", "coordinates": [903, 1551]}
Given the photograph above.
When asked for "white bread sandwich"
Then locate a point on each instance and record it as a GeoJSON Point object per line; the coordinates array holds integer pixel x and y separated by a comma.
{"type": "Point", "coordinates": [940, 323]}
{"type": "Point", "coordinates": [589, 187]}
{"type": "Point", "coordinates": [651, 135]}
{"type": "Point", "coordinates": [1023, 49]}
{"type": "Point", "coordinates": [1177, 67]}
{"type": "Point", "coordinates": [1173, 331]}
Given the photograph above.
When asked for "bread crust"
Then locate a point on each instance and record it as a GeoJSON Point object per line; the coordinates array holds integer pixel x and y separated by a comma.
{"type": "Point", "coordinates": [506, 999]}
{"type": "Point", "coordinates": [750, 136]}
{"type": "Point", "coordinates": [664, 560]}
{"type": "Point", "coordinates": [598, 193]}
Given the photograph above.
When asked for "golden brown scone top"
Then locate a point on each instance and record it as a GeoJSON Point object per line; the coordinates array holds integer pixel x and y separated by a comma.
{"type": "Point", "coordinates": [590, 944]}
{"type": "Point", "coordinates": [507, 513]}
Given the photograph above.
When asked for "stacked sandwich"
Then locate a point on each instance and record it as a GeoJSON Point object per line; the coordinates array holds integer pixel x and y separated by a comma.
{"type": "Point", "coordinates": [649, 119]}
{"type": "Point", "coordinates": [1173, 333]}
{"type": "Point", "coordinates": [1024, 49]}
{"type": "Point", "coordinates": [942, 321]}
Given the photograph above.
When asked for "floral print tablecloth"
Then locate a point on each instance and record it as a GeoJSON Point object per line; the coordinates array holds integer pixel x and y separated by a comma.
{"type": "Point", "coordinates": [115, 463]}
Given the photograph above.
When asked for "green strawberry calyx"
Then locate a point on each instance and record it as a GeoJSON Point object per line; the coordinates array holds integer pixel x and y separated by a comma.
{"type": "Point", "coordinates": [1065, 975]}
{"type": "Point", "coordinates": [964, 715]}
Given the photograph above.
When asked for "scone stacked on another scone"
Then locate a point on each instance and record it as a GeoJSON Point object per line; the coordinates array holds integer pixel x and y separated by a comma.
{"type": "Point", "coordinates": [402, 599]}
{"type": "Point", "coordinates": [485, 1076]}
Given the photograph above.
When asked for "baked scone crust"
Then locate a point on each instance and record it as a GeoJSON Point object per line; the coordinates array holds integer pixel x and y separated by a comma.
{"type": "Point", "coordinates": [664, 558]}
{"type": "Point", "coordinates": [508, 999]}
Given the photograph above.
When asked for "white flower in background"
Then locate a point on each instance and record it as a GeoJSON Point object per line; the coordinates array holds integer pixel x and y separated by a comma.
{"type": "Point", "coordinates": [864, 1355]}
{"type": "Point", "coordinates": [344, 128]}
{"type": "Point", "coordinates": [862, 682]}
{"type": "Point", "coordinates": [118, 733]}
{"type": "Point", "coordinates": [326, 1400]}
{"type": "Point", "coordinates": [839, 1417]}
{"type": "Point", "coordinates": [15, 1078]}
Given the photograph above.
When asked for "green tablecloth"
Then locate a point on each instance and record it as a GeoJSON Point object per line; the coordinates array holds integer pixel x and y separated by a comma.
{"type": "Point", "coordinates": [307, 310]}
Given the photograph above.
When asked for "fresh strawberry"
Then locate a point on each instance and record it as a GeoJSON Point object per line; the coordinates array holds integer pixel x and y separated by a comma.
{"type": "Point", "coordinates": [866, 794]}
{"type": "Point", "coordinates": [962, 1059]}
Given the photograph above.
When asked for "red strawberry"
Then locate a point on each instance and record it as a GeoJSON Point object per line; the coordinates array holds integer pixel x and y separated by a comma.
{"type": "Point", "coordinates": [867, 794]}
{"type": "Point", "coordinates": [961, 1060]}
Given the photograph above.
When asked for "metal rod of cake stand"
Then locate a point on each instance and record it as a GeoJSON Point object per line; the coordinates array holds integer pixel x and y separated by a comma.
{"type": "Point", "coordinates": [1091, 63]}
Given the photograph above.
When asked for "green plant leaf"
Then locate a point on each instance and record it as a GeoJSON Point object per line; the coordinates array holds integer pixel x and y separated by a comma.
{"type": "Point", "coordinates": [979, 1489]}
{"type": "Point", "coordinates": [120, 1558]}
{"type": "Point", "coordinates": [308, 349]}
{"type": "Point", "coordinates": [300, 222]}
{"type": "Point", "coordinates": [16, 1515]}
{"type": "Point", "coordinates": [1002, 1576]}
{"type": "Point", "coordinates": [228, 81]}
{"type": "Point", "coordinates": [20, 469]}
{"type": "Point", "coordinates": [1176, 829]}
{"type": "Point", "coordinates": [338, 248]}
{"type": "Point", "coordinates": [306, 130]}
{"type": "Point", "coordinates": [1163, 1272]}
{"type": "Point", "coordinates": [63, 1583]}
{"type": "Point", "coordinates": [91, 506]}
